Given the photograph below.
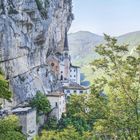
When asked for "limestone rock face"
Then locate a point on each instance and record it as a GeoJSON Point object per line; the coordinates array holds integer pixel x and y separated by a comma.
{"type": "Point", "coordinates": [29, 31]}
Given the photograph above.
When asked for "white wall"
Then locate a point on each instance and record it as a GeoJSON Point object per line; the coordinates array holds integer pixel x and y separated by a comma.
{"type": "Point", "coordinates": [75, 74]}
{"type": "Point", "coordinates": [61, 105]}
{"type": "Point", "coordinates": [78, 76]}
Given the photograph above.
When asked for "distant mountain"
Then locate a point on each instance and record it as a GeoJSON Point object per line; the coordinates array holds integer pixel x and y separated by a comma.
{"type": "Point", "coordinates": [82, 47]}
{"type": "Point", "coordinates": [82, 44]}
{"type": "Point", "coordinates": [132, 38]}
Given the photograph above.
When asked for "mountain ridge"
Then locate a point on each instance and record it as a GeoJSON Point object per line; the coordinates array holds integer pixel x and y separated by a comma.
{"type": "Point", "coordinates": [124, 34]}
{"type": "Point", "coordinates": [82, 47]}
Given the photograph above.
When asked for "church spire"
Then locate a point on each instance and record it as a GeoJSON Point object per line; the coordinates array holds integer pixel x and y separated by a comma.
{"type": "Point", "coordinates": [66, 47]}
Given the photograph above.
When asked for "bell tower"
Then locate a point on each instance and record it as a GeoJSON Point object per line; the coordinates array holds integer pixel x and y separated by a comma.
{"type": "Point", "coordinates": [66, 57]}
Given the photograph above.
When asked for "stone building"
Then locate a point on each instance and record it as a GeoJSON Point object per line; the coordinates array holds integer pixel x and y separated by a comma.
{"type": "Point", "coordinates": [75, 88]}
{"type": "Point", "coordinates": [58, 104]}
{"type": "Point", "coordinates": [27, 118]}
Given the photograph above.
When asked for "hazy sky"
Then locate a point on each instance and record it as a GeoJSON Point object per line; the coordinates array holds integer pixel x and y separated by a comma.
{"type": "Point", "coordinates": [114, 17]}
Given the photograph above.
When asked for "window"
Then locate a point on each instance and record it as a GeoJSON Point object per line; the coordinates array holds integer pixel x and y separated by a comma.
{"type": "Point", "coordinates": [70, 76]}
{"type": "Point", "coordinates": [68, 91]}
{"type": "Point", "coordinates": [81, 91]}
{"type": "Point", "coordinates": [52, 64]}
{"type": "Point", "coordinates": [56, 104]}
{"type": "Point", "coordinates": [61, 71]}
{"type": "Point", "coordinates": [61, 77]}
{"type": "Point", "coordinates": [74, 91]}
{"type": "Point", "coordinates": [74, 70]}
{"type": "Point", "coordinates": [74, 76]}
{"type": "Point", "coordinates": [66, 54]}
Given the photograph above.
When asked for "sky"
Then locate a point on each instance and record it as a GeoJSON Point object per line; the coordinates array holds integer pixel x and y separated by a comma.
{"type": "Point", "coordinates": [113, 17]}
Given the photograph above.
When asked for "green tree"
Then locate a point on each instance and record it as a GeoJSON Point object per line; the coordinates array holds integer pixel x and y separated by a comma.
{"type": "Point", "coordinates": [120, 79]}
{"type": "Point", "coordinates": [41, 103]}
{"type": "Point", "coordinates": [51, 123]}
{"type": "Point", "coordinates": [10, 129]}
{"type": "Point", "coordinates": [68, 133]}
{"type": "Point", "coordinates": [77, 114]}
{"type": "Point", "coordinates": [5, 92]}
{"type": "Point", "coordinates": [49, 135]}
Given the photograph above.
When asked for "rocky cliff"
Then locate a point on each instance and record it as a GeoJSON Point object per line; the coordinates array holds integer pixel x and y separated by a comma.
{"type": "Point", "coordinates": [29, 31]}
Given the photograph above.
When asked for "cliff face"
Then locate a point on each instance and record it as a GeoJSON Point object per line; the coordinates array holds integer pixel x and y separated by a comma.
{"type": "Point", "coordinates": [29, 31]}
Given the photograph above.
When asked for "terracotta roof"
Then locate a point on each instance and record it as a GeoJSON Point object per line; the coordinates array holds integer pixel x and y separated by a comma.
{"type": "Point", "coordinates": [55, 94]}
{"type": "Point", "coordinates": [74, 85]}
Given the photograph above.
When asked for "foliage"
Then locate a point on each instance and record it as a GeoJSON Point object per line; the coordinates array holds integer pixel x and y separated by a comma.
{"type": "Point", "coordinates": [10, 129]}
{"type": "Point", "coordinates": [83, 46]}
{"type": "Point", "coordinates": [68, 133]}
{"type": "Point", "coordinates": [48, 135]}
{"type": "Point", "coordinates": [5, 92]}
{"type": "Point", "coordinates": [120, 75]}
{"type": "Point", "coordinates": [41, 103]}
{"type": "Point", "coordinates": [76, 124]}
{"type": "Point", "coordinates": [83, 111]}
{"type": "Point", "coordinates": [51, 124]}
{"type": "Point", "coordinates": [76, 114]}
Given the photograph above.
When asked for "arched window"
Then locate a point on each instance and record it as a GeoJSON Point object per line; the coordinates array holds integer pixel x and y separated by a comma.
{"type": "Point", "coordinates": [61, 77]}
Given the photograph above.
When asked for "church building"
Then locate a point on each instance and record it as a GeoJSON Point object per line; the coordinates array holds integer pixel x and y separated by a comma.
{"type": "Point", "coordinates": [70, 74]}
{"type": "Point", "coordinates": [67, 74]}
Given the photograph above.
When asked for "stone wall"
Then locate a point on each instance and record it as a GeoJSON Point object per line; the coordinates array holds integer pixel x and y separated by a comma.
{"type": "Point", "coordinates": [58, 104]}
{"type": "Point", "coordinates": [27, 117]}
